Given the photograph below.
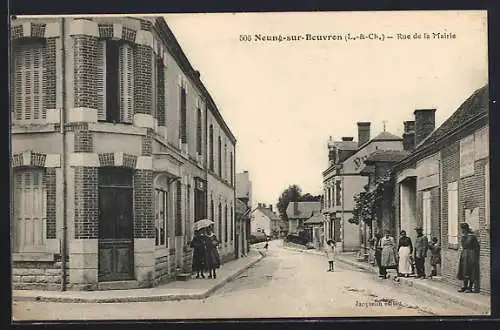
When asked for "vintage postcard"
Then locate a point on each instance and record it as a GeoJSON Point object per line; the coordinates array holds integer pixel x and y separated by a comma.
{"type": "Point", "coordinates": [250, 165]}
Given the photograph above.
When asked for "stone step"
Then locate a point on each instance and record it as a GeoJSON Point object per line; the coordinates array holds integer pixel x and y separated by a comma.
{"type": "Point", "coordinates": [183, 276]}
{"type": "Point", "coordinates": [118, 285]}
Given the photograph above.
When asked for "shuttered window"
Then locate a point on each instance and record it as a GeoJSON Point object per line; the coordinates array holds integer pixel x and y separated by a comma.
{"type": "Point", "coordinates": [30, 211]}
{"type": "Point", "coordinates": [426, 213]}
{"type": "Point", "coordinates": [220, 221]}
{"type": "Point", "coordinates": [183, 115]}
{"type": "Point", "coordinates": [178, 209]}
{"type": "Point", "coordinates": [232, 169]}
{"type": "Point", "coordinates": [219, 151]}
{"type": "Point", "coordinates": [226, 228]}
{"type": "Point", "coordinates": [28, 81]}
{"type": "Point", "coordinates": [211, 146]}
{"type": "Point", "coordinates": [115, 81]}
{"type": "Point", "coordinates": [453, 213]}
{"type": "Point", "coordinates": [198, 131]}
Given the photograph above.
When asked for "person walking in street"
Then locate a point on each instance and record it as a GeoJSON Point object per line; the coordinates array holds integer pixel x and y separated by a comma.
{"type": "Point", "coordinates": [212, 254]}
{"type": "Point", "coordinates": [388, 258]}
{"type": "Point", "coordinates": [421, 247]}
{"type": "Point", "coordinates": [405, 249]}
{"type": "Point", "coordinates": [435, 256]}
{"type": "Point", "coordinates": [378, 255]}
{"type": "Point", "coordinates": [468, 267]}
{"type": "Point", "coordinates": [198, 247]}
{"type": "Point", "coordinates": [330, 254]}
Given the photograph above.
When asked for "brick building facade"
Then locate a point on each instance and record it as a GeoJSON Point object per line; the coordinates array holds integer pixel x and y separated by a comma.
{"type": "Point", "coordinates": [445, 181]}
{"type": "Point", "coordinates": [111, 150]}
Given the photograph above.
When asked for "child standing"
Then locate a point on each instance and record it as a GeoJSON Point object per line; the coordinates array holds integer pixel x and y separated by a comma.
{"type": "Point", "coordinates": [435, 255]}
{"type": "Point", "coordinates": [330, 253]}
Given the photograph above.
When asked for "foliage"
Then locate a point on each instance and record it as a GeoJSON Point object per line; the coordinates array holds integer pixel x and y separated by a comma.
{"type": "Point", "coordinates": [368, 204]}
{"type": "Point", "coordinates": [310, 198]}
{"type": "Point", "coordinates": [291, 194]}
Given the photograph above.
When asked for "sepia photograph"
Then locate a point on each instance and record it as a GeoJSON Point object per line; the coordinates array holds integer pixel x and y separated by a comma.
{"type": "Point", "coordinates": [249, 165]}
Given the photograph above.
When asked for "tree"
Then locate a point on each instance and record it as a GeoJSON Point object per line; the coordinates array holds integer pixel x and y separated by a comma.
{"type": "Point", "coordinates": [310, 198]}
{"type": "Point", "coordinates": [291, 194]}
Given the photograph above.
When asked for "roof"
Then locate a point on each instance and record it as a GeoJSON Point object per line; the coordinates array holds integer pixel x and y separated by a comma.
{"type": "Point", "coordinates": [268, 213]}
{"type": "Point", "coordinates": [344, 145]}
{"type": "Point", "coordinates": [388, 156]}
{"type": "Point", "coordinates": [384, 136]}
{"type": "Point", "coordinates": [316, 218]}
{"type": "Point", "coordinates": [305, 209]}
{"type": "Point", "coordinates": [368, 169]}
{"type": "Point", "coordinates": [475, 107]}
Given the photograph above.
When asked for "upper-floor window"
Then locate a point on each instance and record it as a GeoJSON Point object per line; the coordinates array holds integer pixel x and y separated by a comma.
{"type": "Point", "coordinates": [225, 161]}
{"type": "Point", "coordinates": [338, 193]}
{"type": "Point", "coordinates": [158, 90]}
{"type": "Point", "coordinates": [231, 168]}
{"type": "Point", "coordinates": [220, 156]}
{"type": "Point", "coordinates": [29, 68]}
{"type": "Point", "coordinates": [115, 81]}
{"type": "Point", "coordinates": [211, 146]}
{"type": "Point", "coordinates": [198, 131]}
{"type": "Point", "coordinates": [183, 114]}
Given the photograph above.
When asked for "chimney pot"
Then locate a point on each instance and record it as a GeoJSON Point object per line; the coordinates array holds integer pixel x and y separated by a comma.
{"type": "Point", "coordinates": [409, 126]}
{"type": "Point", "coordinates": [347, 138]}
{"type": "Point", "coordinates": [425, 121]}
{"type": "Point", "coordinates": [363, 132]}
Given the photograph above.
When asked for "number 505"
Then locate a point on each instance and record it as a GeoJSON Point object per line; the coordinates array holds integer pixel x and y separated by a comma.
{"type": "Point", "coordinates": [245, 37]}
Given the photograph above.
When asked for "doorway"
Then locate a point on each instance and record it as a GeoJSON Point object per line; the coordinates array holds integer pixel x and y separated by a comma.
{"type": "Point", "coordinates": [116, 230]}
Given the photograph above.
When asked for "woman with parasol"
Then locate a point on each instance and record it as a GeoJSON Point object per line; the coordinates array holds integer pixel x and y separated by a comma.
{"type": "Point", "coordinates": [213, 258]}
{"type": "Point", "coordinates": [198, 246]}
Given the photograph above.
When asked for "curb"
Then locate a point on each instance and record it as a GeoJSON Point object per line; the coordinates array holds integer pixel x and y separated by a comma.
{"type": "Point", "coordinates": [463, 301]}
{"type": "Point", "coordinates": [154, 298]}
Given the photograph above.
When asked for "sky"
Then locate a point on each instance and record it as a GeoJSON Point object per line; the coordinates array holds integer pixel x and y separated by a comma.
{"type": "Point", "coordinates": [283, 100]}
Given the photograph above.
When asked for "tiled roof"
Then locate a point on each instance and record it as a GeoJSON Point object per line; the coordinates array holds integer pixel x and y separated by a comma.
{"type": "Point", "coordinates": [386, 156]}
{"type": "Point", "coordinates": [344, 145]}
{"type": "Point", "coordinates": [386, 136]}
{"type": "Point", "coordinates": [305, 209]}
{"type": "Point", "coordinates": [316, 218]}
{"type": "Point", "coordinates": [268, 213]}
{"type": "Point", "coordinates": [475, 106]}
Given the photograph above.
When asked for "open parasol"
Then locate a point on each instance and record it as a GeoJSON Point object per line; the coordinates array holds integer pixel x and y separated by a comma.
{"type": "Point", "coordinates": [203, 223]}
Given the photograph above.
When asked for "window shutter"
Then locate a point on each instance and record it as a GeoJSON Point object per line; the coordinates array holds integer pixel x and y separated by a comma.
{"type": "Point", "coordinates": [19, 84]}
{"type": "Point", "coordinates": [453, 213]}
{"type": "Point", "coordinates": [154, 86]}
{"type": "Point", "coordinates": [126, 59]}
{"type": "Point", "coordinates": [101, 80]}
{"type": "Point", "coordinates": [38, 108]}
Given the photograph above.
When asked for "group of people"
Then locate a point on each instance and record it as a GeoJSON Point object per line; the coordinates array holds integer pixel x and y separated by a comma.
{"type": "Point", "coordinates": [407, 258]}
{"type": "Point", "coordinates": [205, 253]}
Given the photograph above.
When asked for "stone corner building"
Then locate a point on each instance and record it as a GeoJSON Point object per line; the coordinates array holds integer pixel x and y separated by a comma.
{"type": "Point", "coordinates": [117, 148]}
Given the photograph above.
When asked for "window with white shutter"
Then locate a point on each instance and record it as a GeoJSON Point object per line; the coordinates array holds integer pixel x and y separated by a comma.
{"type": "Point", "coordinates": [126, 60]}
{"type": "Point", "coordinates": [426, 213]}
{"type": "Point", "coordinates": [30, 211]}
{"type": "Point", "coordinates": [115, 81]}
{"type": "Point", "coordinates": [28, 80]}
{"type": "Point", "coordinates": [453, 213]}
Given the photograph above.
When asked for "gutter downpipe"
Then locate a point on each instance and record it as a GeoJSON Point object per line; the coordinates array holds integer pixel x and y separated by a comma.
{"type": "Point", "coordinates": [63, 156]}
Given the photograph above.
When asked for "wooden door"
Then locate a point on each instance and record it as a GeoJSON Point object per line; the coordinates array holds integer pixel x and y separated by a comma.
{"type": "Point", "coordinates": [116, 254]}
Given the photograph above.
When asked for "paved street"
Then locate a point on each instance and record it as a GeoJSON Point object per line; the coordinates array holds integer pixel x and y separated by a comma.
{"type": "Point", "coordinates": [284, 284]}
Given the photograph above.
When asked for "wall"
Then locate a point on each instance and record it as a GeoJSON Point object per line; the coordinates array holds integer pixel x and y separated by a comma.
{"type": "Point", "coordinates": [260, 220]}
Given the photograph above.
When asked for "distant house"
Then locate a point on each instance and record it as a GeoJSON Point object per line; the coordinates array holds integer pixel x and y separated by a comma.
{"type": "Point", "coordinates": [264, 219]}
{"type": "Point", "coordinates": [445, 181]}
{"type": "Point", "coordinates": [298, 213]}
{"type": "Point", "coordinates": [315, 228]}
{"type": "Point", "coordinates": [342, 180]}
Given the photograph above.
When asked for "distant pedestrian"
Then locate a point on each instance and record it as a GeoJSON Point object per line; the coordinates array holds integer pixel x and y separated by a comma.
{"type": "Point", "coordinates": [330, 254]}
{"type": "Point", "coordinates": [468, 267]}
{"type": "Point", "coordinates": [388, 258]}
{"type": "Point", "coordinates": [198, 247]}
{"type": "Point", "coordinates": [435, 256]}
{"type": "Point", "coordinates": [266, 246]}
{"type": "Point", "coordinates": [405, 249]}
{"type": "Point", "coordinates": [421, 247]}
{"type": "Point", "coordinates": [378, 254]}
{"type": "Point", "coordinates": [212, 254]}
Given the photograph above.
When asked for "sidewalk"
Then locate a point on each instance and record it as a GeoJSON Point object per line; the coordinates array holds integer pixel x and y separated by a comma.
{"type": "Point", "coordinates": [175, 290]}
{"type": "Point", "coordinates": [478, 302]}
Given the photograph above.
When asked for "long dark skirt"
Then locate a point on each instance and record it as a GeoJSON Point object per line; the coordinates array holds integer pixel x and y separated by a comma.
{"type": "Point", "coordinates": [198, 259]}
{"type": "Point", "coordinates": [468, 266]}
{"type": "Point", "coordinates": [212, 259]}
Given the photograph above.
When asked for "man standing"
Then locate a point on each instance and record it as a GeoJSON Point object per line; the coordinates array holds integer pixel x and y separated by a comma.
{"type": "Point", "coordinates": [421, 247]}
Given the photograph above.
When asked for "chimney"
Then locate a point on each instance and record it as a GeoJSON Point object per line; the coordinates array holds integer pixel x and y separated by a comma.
{"type": "Point", "coordinates": [425, 121]}
{"type": "Point", "coordinates": [347, 138]}
{"type": "Point", "coordinates": [197, 73]}
{"type": "Point", "coordinates": [271, 207]}
{"type": "Point", "coordinates": [363, 132]}
{"type": "Point", "coordinates": [409, 135]}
